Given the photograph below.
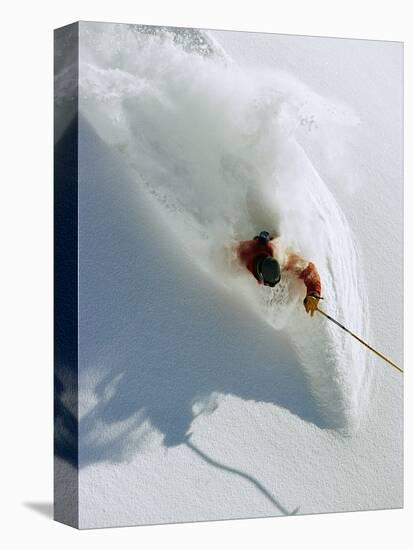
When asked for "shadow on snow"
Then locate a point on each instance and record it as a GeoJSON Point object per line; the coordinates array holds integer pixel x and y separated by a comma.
{"type": "Point", "coordinates": [151, 336]}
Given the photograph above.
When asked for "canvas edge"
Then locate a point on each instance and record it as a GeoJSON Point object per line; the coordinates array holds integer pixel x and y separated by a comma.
{"type": "Point", "coordinates": [66, 101]}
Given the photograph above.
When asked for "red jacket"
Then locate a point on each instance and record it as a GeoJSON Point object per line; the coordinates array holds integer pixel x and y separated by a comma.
{"type": "Point", "coordinates": [249, 251]}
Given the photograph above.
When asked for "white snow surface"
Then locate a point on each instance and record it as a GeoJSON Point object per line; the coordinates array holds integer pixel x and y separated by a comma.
{"type": "Point", "coordinates": [202, 395]}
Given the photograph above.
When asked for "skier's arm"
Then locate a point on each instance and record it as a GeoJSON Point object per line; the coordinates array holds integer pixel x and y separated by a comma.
{"type": "Point", "coordinates": [307, 272]}
{"type": "Point", "coordinates": [311, 279]}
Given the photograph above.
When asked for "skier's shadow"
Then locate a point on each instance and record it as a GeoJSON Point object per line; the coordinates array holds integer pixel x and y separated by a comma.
{"type": "Point", "coordinates": [160, 371]}
{"type": "Point", "coordinates": [155, 338]}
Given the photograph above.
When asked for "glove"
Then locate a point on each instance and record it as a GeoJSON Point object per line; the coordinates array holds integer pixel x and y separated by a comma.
{"type": "Point", "coordinates": [311, 302]}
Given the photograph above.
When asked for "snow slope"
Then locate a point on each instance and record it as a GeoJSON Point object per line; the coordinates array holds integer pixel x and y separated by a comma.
{"type": "Point", "coordinates": [215, 145]}
{"type": "Point", "coordinates": [193, 406]}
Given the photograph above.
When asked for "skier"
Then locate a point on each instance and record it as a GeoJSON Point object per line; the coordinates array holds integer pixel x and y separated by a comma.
{"type": "Point", "coordinates": [260, 257]}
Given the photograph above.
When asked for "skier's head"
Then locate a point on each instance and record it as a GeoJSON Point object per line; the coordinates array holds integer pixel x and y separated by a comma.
{"type": "Point", "coordinates": [263, 237]}
{"type": "Point", "coordinates": [268, 270]}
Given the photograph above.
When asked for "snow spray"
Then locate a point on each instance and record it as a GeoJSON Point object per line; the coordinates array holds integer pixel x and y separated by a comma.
{"type": "Point", "coordinates": [218, 147]}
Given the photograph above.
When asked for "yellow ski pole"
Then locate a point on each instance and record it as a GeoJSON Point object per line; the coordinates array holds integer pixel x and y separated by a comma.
{"type": "Point", "coordinates": [360, 340]}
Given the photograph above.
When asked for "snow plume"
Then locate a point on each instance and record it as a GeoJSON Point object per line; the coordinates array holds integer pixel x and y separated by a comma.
{"type": "Point", "coordinates": [219, 148]}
